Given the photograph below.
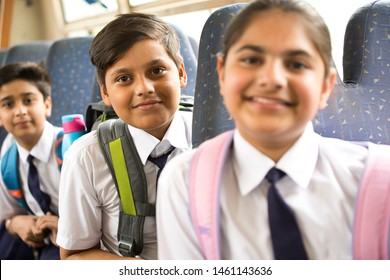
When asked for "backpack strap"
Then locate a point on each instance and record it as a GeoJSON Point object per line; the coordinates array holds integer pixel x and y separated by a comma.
{"type": "Point", "coordinates": [10, 172]}
{"type": "Point", "coordinates": [205, 182]}
{"type": "Point", "coordinates": [58, 147]}
{"type": "Point", "coordinates": [372, 215]}
{"type": "Point", "coordinates": [127, 171]}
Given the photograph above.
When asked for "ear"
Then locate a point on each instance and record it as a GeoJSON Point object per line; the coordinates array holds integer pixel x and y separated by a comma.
{"type": "Point", "coordinates": [327, 87]}
{"type": "Point", "coordinates": [48, 106]}
{"type": "Point", "coordinates": [221, 72]}
{"type": "Point", "coordinates": [104, 93]}
{"type": "Point", "coordinates": [182, 76]}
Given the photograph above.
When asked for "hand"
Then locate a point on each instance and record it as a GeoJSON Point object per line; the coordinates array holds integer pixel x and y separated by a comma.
{"type": "Point", "coordinates": [24, 226]}
{"type": "Point", "coordinates": [48, 224]}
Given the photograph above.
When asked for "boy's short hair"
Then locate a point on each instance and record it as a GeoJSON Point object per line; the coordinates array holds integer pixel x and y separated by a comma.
{"type": "Point", "coordinates": [118, 36]}
{"type": "Point", "coordinates": [27, 71]}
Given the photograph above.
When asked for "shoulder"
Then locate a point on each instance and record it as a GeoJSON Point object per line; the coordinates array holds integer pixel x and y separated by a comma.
{"type": "Point", "coordinates": [180, 164]}
{"type": "Point", "coordinates": [8, 141]}
{"type": "Point", "coordinates": [86, 145]}
{"type": "Point", "coordinates": [342, 148]}
{"type": "Point", "coordinates": [341, 152]}
{"type": "Point", "coordinates": [186, 117]}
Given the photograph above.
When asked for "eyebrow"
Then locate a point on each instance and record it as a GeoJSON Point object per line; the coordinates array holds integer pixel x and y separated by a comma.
{"type": "Point", "coordinates": [147, 65]}
{"type": "Point", "coordinates": [24, 94]}
{"type": "Point", "coordinates": [261, 50]}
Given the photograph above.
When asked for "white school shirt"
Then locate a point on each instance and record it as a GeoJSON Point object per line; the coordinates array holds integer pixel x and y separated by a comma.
{"type": "Point", "coordinates": [321, 185]}
{"type": "Point", "coordinates": [89, 201]}
{"type": "Point", "coordinates": [49, 174]}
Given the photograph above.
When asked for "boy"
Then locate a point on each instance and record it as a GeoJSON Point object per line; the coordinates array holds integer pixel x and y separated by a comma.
{"type": "Point", "coordinates": [28, 228]}
{"type": "Point", "coordinates": [275, 73]}
{"type": "Point", "coordinates": [140, 72]}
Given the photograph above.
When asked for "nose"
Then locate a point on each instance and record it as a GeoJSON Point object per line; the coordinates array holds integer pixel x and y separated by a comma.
{"type": "Point", "coordinates": [143, 85]}
{"type": "Point", "coordinates": [272, 75]}
{"type": "Point", "coordinates": [20, 109]}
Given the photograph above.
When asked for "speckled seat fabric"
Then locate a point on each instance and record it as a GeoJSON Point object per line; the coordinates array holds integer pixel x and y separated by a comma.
{"type": "Point", "coordinates": [359, 109]}
{"type": "Point", "coordinates": [3, 53]}
{"type": "Point", "coordinates": [210, 115]}
{"type": "Point", "coordinates": [73, 76]}
{"type": "Point", "coordinates": [33, 51]}
{"type": "Point", "coordinates": [190, 60]}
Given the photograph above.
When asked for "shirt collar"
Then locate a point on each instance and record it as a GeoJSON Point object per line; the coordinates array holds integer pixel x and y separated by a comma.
{"type": "Point", "coordinates": [298, 162]}
{"type": "Point", "coordinates": [147, 144]}
{"type": "Point", "coordinates": [42, 149]}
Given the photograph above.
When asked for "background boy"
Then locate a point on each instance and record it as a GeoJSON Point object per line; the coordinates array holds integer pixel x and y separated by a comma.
{"type": "Point", "coordinates": [25, 103]}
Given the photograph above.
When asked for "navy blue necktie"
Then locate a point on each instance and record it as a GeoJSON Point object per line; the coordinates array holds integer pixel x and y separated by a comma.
{"type": "Point", "coordinates": [160, 161]}
{"type": "Point", "coordinates": [41, 197]}
{"type": "Point", "coordinates": [286, 237]}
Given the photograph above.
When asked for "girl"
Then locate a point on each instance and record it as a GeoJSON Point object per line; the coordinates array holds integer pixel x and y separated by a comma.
{"type": "Point", "coordinates": [275, 74]}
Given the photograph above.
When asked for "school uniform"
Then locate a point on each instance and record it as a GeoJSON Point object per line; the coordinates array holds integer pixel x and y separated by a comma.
{"type": "Point", "coordinates": [89, 201]}
{"type": "Point", "coordinates": [49, 175]}
{"type": "Point", "coordinates": [320, 186]}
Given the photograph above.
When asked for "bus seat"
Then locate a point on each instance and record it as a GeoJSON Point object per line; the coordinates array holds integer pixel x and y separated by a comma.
{"type": "Point", "coordinates": [190, 60]}
{"type": "Point", "coordinates": [72, 76]}
{"type": "Point", "coordinates": [359, 107]}
{"type": "Point", "coordinates": [3, 53]}
{"type": "Point", "coordinates": [210, 115]}
{"type": "Point", "coordinates": [33, 51]}
{"type": "Point", "coordinates": [194, 45]}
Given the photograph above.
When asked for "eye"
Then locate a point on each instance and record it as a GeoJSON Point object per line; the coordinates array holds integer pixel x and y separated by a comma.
{"type": "Point", "coordinates": [158, 70]}
{"type": "Point", "coordinates": [252, 60]}
{"type": "Point", "coordinates": [297, 65]}
{"type": "Point", "coordinates": [7, 104]}
{"type": "Point", "coordinates": [123, 79]}
{"type": "Point", "coordinates": [28, 100]}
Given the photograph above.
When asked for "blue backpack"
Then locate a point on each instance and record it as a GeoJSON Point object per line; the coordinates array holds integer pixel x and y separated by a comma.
{"type": "Point", "coordinates": [10, 171]}
{"type": "Point", "coordinates": [371, 229]}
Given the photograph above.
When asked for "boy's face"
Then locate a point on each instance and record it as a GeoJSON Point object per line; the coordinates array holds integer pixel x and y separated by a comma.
{"type": "Point", "coordinates": [273, 80]}
{"type": "Point", "coordinates": [23, 111]}
{"type": "Point", "coordinates": [144, 86]}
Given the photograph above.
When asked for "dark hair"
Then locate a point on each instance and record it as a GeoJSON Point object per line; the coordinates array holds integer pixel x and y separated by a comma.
{"type": "Point", "coordinates": [27, 71]}
{"type": "Point", "coordinates": [316, 26]}
{"type": "Point", "coordinates": [118, 36]}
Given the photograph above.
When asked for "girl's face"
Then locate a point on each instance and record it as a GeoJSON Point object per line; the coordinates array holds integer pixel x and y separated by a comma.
{"type": "Point", "coordinates": [144, 86]}
{"type": "Point", "coordinates": [23, 111]}
{"type": "Point", "coordinates": [273, 81]}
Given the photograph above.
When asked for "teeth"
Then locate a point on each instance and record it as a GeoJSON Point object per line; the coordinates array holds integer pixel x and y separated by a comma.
{"type": "Point", "coordinates": [266, 100]}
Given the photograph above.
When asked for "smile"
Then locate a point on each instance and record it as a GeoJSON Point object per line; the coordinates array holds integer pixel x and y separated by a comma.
{"type": "Point", "coordinates": [271, 101]}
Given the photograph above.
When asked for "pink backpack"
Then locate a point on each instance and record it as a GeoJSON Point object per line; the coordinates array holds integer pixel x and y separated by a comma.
{"type": "Point", "coordinates": [371, 237]}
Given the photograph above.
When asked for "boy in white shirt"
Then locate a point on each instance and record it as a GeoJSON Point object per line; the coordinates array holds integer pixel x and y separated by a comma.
{"type": "Point", "coordinates": [140, 72]}
{"type": "Point", "coordinates": [28, 227]}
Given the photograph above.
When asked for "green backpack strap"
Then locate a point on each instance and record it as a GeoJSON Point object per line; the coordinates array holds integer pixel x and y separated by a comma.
{"type": "Point", "coordinates": [127, 171]}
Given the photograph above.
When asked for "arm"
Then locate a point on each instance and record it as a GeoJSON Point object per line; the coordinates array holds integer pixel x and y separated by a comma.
{"type": "Point", "coordinates": [175, 234]}
{"type": "Point", "coordinates": [94, 253]}
{"type": "Point", "coordinates": [88, 203]}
